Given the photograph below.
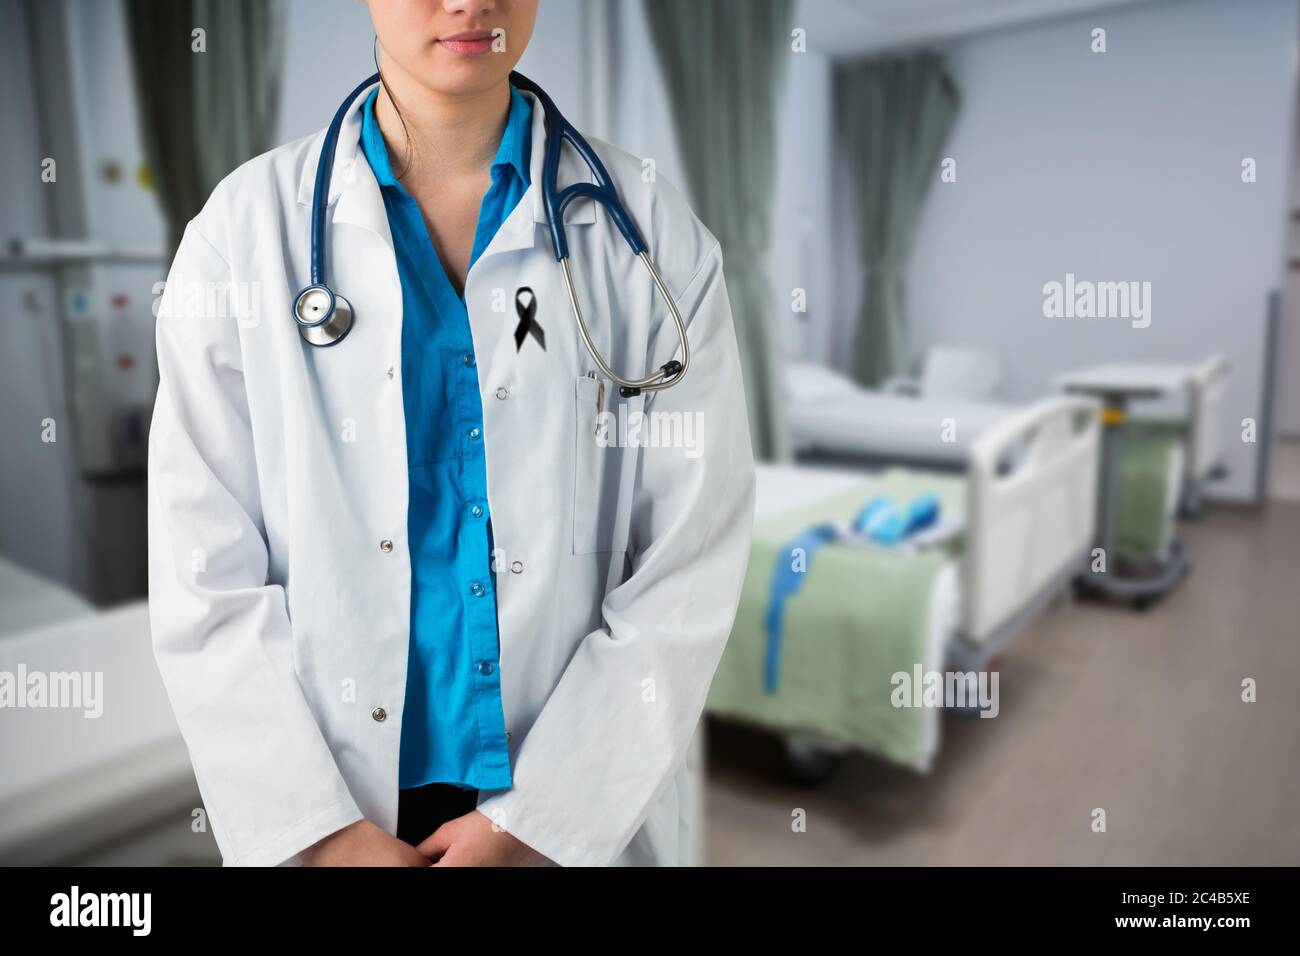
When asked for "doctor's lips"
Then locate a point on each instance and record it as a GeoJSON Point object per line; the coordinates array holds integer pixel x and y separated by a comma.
{"type": "Point", "coordinates": [468, 42]}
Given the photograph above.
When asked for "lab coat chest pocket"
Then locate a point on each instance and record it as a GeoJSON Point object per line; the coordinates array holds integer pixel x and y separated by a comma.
{"type": "Point", "coordinates": [599, 512]}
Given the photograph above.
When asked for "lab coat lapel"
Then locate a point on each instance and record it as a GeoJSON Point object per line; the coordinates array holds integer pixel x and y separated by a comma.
{"type": "Point", "coordinates": [361, 266]}
{"type": "Point", "coordinates": [354, 197]}
{"type": "Point", "coordinates": [519, 230]}
{"type": "Point", "coordinates": [493, 282]}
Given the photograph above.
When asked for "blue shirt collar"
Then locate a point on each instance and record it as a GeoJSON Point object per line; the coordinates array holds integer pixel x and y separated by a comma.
{"type": "Point", "coordinates": [515, 148]}
{"type": "Point", "coordinates": [514, 151]}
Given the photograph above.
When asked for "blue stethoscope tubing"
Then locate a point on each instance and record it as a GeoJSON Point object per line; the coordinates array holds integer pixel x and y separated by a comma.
{"type": "Point", "coordinates": [324, 317]}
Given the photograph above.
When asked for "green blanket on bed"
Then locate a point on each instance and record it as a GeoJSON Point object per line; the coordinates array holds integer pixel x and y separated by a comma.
{"type": "Point", "coordinates": [862, 615]}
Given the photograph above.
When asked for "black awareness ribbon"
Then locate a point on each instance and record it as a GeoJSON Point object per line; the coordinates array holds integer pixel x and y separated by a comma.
{"type": "Point", "coordinates": [527, 311]}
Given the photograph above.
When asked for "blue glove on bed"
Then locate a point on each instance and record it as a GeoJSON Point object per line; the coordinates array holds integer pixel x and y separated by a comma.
{"type": "Point", "coordinates": [882, 522]}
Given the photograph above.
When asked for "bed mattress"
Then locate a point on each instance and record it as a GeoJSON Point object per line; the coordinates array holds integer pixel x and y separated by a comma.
{"type": "Point", "coordinates": [869, 425]}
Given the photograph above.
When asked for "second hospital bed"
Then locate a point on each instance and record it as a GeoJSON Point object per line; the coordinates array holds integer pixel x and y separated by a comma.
{"type": "Point", "coordinates": [1163, 465]}
{"type": "Point", "coordinates": [76, 780]}
{"type": "Point", "coordinates": [833, 417]}
{"type": "Point", "coordinates": [864, 615]}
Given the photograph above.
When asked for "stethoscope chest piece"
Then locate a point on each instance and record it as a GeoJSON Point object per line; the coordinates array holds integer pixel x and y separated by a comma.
{"type": "Point", "coordinates": [323, 317]}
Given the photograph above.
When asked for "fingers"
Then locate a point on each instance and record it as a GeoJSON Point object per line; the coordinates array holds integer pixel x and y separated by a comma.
{"type": "Point", "coordinates": [413, 857]}
{"type": "Point", "coordinates": [435, 845]}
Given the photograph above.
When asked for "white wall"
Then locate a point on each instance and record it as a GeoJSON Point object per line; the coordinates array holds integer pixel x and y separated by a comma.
{"type": "Point", "coordinates": [1117, 166]}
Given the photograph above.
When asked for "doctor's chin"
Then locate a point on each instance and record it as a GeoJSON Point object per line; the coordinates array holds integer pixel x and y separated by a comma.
{"type": "Point", "coordinates": [653, 433]}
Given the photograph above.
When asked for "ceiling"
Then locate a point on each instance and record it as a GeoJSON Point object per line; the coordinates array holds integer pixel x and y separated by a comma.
{"type": "Point", "coordinates": [844, 27]}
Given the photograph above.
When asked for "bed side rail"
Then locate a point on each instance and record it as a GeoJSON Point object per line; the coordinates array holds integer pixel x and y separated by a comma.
{"type": "Point", "coordinates": [1031, 508]}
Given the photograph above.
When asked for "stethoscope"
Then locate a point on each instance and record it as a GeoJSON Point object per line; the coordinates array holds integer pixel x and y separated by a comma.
{"type": "Point", "coordinates": [324, 317]}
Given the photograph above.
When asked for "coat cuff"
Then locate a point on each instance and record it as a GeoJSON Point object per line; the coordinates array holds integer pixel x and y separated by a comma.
{"type": "Point", "coordinates": [507, 811]}
{"type": "Point", "coordinates": [283, 850]}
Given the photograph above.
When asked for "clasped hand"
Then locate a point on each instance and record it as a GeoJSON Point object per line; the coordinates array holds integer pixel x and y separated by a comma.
{"type": "Point", "coordinates": [469, 840]}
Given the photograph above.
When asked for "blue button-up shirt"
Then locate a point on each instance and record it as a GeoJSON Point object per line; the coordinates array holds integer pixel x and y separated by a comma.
{"type": "Point", "coordinates": [453, 728]}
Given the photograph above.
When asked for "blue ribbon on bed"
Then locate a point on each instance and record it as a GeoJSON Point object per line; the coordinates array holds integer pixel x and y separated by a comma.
{"type": "Point", "coordinates": [879, 520]}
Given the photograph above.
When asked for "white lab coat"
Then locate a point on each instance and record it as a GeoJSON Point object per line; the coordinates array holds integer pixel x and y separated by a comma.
{"type": "Point", "coordinates": [279, 570]}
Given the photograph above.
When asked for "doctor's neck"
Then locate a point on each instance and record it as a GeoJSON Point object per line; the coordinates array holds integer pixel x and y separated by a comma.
{"type": "Point", "coordinates": [434, 134]}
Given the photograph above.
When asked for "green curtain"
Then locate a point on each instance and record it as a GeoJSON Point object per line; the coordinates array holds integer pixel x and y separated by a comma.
{"type": "Point", "coordinates": [203, 113]}
{"type": "Point", "coordinates": [724, 64]}
{"type": "Point", "coordinates": [893, 115]}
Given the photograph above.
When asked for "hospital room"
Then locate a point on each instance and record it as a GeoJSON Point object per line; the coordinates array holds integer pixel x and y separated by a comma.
{"type": "Point", "coordinates": [970, 537]}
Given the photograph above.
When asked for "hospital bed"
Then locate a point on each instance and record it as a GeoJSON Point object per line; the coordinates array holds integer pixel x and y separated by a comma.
{"type": "Point", "coordinates": [933, 421]}
{"type": "Point", "coordinates": [951, 372]}
{"type": "Point", "coordinates": [1026, 505]}
{"type": "Point", "coordinates": [926, 423]}
{"type": "Point", "coordinates": [72, 782]}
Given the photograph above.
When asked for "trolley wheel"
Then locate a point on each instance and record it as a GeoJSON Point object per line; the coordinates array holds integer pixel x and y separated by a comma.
{"type": "Point", "coordinates": [807, 763]}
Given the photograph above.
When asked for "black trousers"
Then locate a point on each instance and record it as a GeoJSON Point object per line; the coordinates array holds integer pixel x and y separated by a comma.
{"type": "Point", "coordinates": [421, 810]}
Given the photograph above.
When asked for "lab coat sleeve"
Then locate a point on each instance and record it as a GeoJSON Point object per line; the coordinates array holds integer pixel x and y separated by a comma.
{"type": "Point", "coordinates": [617, 726]}
{"type": "Point", "coordinates": [221, 633]}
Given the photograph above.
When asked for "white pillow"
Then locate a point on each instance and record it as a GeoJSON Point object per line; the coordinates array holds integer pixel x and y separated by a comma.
{"type": "Point", "coordinates": [806, 382]}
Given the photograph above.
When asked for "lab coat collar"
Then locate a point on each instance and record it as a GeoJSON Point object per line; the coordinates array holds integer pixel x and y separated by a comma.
{"type": "Point", "coordinates": [355, 198]}
{"type": "Point", "coordinates": [354, 195]}
{"type": "Point", "coordinates": [518, 232]}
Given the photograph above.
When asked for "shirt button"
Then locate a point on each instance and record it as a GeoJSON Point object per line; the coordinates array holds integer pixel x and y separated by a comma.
{"type": "Point", "coordinates": [379, 714]}
{"type": "Point", "coordinates": [485, 668]}
{"type": "Point", "coordinates": [502, 393]}
{"type": "Point", "coordinates": [476, 589]}
{"type": "Point", "coordinates": [391, 371]}
{"type": "Point", "coordinates": [476, 511]}
{"type": "Point", "coordinates": [469, 361]}
{"type": "Point", "coordinates": [385, 545]}
{"type": "Point", "coordinates": [517, 567]}
{"type": "Point", "coordinates": [474, 434]}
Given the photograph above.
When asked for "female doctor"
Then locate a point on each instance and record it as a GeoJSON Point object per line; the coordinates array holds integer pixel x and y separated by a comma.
{"type": "Point", "coordinates": [416, 595]}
